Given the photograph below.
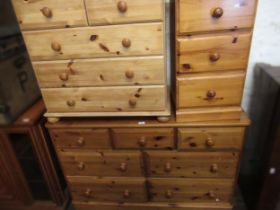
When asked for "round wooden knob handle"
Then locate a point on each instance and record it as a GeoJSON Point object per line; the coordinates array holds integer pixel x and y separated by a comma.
{"type": "Point", "coordinates": [214, 57]}
{"type": "Point", "coordinates": [168, 194]}
{"type": "Point", "coordinates": [81, 166]}
{"type": "Point", "coordinates": [126, 194]}
{"type": "Point", "coordinates": [71, 103]}
{"type": "Point", "coordinates": [56, 46]}
{"type": "Point", "coordinates": [142, 141]}
{"type": "Point", "coordinates": [123, 167]}
{"type": "Point", "coordinates": [126, 43]}
{"type": "Point", "coordinates": [129, 74]}
{"type": "Point", "coordinates": [211, 94]}
{"type": "Point", "coordinates": [81, 141]}
{"type": "Point", "coordinates": [63, 77]}
{"type": "Point", "coordinates": [214, 168]}
{"type": "Point", "coordinates": [211, 194]}
{"type": "Point", "coordinates": [217, 12]}
{"type": "Point", "coordinates": [209, 142]}
{"type": "Point", "coordinates": [132, 102]}
{"type": "Point", "coordinates": [167, 167]}
{"type": "Point", "coordinates": [88, 192]}
{"type": "Point", "coordinates": [122, 6]}
{"type": "Point", "coordinates": [47, 12]}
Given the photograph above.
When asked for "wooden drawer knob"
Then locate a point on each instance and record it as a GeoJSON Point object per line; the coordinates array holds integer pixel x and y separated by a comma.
{"type": "Point", "coordinates": [123, 167]}
{"type": "Point", "coordinates": [56, 46]}
{"type": "Point", "coordinates": [142, 141]}
{"type": "Point", "coordinates": [214, 57]}
{"type": "Point", "coordinates": [47, 12]}
{"type": "Point", "coordinates": [126, 194]}
{"type": "Point", "coordinates": [167, 167]}
{"type": "Point", "coordinates": [217, 12]}
{"type": "Point", "coordinates": [71, 103]}
{"type": "Point", "coordinates": [129, 74]}
{"type": "Point", "coordinates": [168, 194]}
{"type": "Point", "coordinates": [214, 168]}
{"type": "Point", "coordinates": [81, 166]}
{"type": "Point", "coordinates": [63, 77]}
{"type": "Point", "coordinates": [211, 94]}
{"type": "Point", "coordinates": [122, 6]}
{"type": "Point", "coordinates": [132, 102]}
{"type": "Point", "coordinates": [211, 194]}
{"type": "Point", "coordinates": [126, 43]}
{"type": "Point", "coordinates": [209, 142]}
{"type": "Point", "coordinates": [88, 192]}
{"type": "Point", "coordinates": [81, 141]}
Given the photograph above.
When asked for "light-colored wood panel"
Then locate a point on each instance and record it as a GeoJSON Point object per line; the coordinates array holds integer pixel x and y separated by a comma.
{"type": "Point", "coordinates": [105, 99]}
{"type": "Point", "coordinates": [143, 138]}
{"type": "Point", "coordinates": [38, 14]}
{"type": "Point", "coordinates": [197, 16]}
{"type": "Point", "coordinates": [113, 12]}
{"type": "Point", "coordinates": [81, 138]}
{"type": "Point", "coordinates": [210, 139]}
{"type": "Point", "coordinates": [101, 72]}
{"type": "Point", "coordinates": [207, 90]}
{"type": "Point", "coordinates": [95, 42]}
{"type": "Point", "coordinates": [101, 163]}
{"type": "Point", "coordinates": [191, 190]}
{"type": "Point", "coordinates": [192, 164]}
{"type": "Point", "coordinates": [108, 189]}
{"type": "Point", "coordinates": [213, 52]}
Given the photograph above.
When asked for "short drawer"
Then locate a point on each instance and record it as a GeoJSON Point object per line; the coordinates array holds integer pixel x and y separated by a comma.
{"type": "Point", "coordinates": [35, 14]}
{"type": "Point", "coordinates": [140, 138]}
{"type": "Point", "coordinates": [96, 42]}
{"type": "Point", "coordinates": [192, 164]}
{"type": "Point", "coordinates": [213, 52]}
{"type": "Point", "coordinates": [207, 90]}
{"type": "Point", "coordinates": [101, 72]}
{"type": "Point", "coordinates": [210, 15]}
{"type": "Point", "coordinates": [127, 11]}
{"type": "Point", "coordinates": [107, 163]}
{"type": "Point", "coordinates": [191, 190]}
{"type": "Point", "coordinates": [81, 138]}
{"type": "Point", "coordinates": [105, 99]}
{"type": "Point", "coordinates": [225, 138]}
{"type": "Point", "coordinates": [108, 189]}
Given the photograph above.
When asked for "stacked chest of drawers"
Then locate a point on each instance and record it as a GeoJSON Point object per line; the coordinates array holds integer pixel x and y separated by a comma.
{"type": "Point", "coordinates": [213, 39]}
{"type": "Point", "coordinates": [130, 164]}
{"type": "Point", "coordinates": [97, 58]}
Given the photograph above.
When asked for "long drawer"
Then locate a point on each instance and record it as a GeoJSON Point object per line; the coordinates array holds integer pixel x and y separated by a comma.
{"type": "Point", "coordinates": [192, 164]}
{"type": "Point", "coordinates": [208, 90]}
{"type": "Point", "coordinates": [101, 72]}
{"type": "Point", "coordinates": [108, 189]}
{"type": "Point", "coordinates": [95, 42]}
{"type": "Point", "coordinates": [105, 99]}
{"type": "Point", "coordinates": [103, 163]}
{"type": "Point", "coordinates": [228, 51]}
{"type": "Point", "coordinates": [190, 190]}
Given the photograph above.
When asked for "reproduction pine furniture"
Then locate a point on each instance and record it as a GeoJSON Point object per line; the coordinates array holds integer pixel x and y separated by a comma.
{"type": "Point", "coordinates": [212, 42]}
{"type": "Point", "coordinates": [97, 58]}
{"type": "Point", "coordinates": [117, 164]}
{"type": "Point", "coordinates": [30, 178]}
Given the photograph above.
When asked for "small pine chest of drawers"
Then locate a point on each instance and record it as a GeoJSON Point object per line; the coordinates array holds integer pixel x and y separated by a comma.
{"type": "Point", "coordinates": [212, 45]}
{"type": "Point", "coordinates": [135, 164]}
{"type": "Point", "coordinates": [97, 58]}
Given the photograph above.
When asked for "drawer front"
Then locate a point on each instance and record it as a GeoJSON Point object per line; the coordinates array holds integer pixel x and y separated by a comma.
{"type": "Point", "coordinates": [99, 163]}
{"type": "Point", "coordinates": [192, 164]}
{"type": "Point", "coordinates": [81, 139]}
{"type": "Point", "coordinates": [107, 189]}
{"type": "Point", "coordinates": [210, 90]}
{"type": "Point", "coordinates": [144, 138]}
{"type": "Point", "coordinates": [95, 42]}
{"type": "Point", "coordinates": [210, 138]}
{"type": "Point", "coordinates": [113, 12]}
{"type": "Point", "coordinates": [191, 190]}
{"type": "Point", "coordinates": [105, 99]}
{"type": "Point", "coordinates": [36, 14]}
{"type": "Point", "coordinates": [213, 53]}
{"type": "Point", "coordinates": [210, 15]}
{"type": "Point", "coordinates": [101, 72]}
